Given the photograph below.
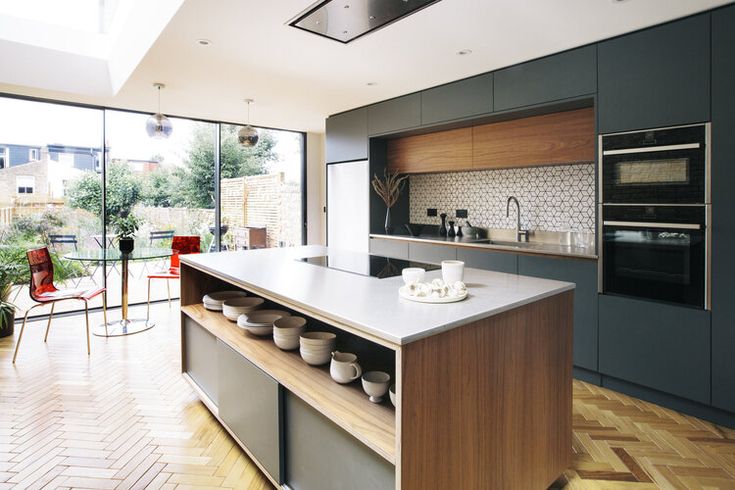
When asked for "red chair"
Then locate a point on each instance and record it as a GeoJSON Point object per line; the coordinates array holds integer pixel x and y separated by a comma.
{"type": "Point", "coordinates": [44, 292]}
{"type": "Point", "coordinates": [181, 245]}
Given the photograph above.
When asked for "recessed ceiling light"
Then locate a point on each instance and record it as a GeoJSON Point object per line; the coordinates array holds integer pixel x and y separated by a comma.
{"type": "Point", "coordinates": [464, 52]}
{"type": "Point", "coordinates": [204, 42]}
{"type": "Point", "coordinates": [371, 84]}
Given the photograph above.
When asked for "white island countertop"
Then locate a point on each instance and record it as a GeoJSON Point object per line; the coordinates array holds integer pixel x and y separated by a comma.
{"type": "Point", "coordinates": [368, 304]}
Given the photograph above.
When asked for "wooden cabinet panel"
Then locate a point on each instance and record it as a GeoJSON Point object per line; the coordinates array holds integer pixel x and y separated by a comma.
{"type": "Point", "coordinates": [347, 137]}
{"type": "Point", "coordinates": [395, 114]}
{"type": "Point", "coordinates": [560, 76]}
{"type": "Point", "coordinates": [656, 345]}
{"type": "Point", "coordinates": [551, 139]}
{"type": "Point", "coordinates": [723, 208]}
{"type": "Point", "coordinates": [443, 151]}
{"type": "Point", "coordinates": [656, 77]}
{"type": "Point", "coordinates": [457, 100]}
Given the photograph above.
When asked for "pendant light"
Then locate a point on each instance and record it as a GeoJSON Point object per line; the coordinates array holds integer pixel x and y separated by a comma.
{"type": "Point", "coordinates": [248, 136]}
{"type": "Point", "coordinates": [159, 126]}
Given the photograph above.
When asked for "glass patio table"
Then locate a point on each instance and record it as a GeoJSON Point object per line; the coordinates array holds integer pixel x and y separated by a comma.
{"type": "Point", "coordinates": [124, 326]}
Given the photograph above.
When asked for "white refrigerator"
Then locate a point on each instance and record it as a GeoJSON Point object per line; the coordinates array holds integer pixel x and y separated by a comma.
{"type": "Point", "coordinates": [348, 202]}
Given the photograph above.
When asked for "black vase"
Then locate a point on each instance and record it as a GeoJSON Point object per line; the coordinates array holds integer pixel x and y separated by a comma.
{"type": "Point", "coordinates": [388, 222]}
{"type": "Point", "coordinates": [8, 324]}
{"type": "Point", "coordinates": [126, 245]}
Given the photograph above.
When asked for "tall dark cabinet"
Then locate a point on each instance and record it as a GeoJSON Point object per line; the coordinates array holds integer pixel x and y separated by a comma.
{"type": "Point", "coordinates": [655, 78]}
{"type": "Point", "coordinates": [723, 208]}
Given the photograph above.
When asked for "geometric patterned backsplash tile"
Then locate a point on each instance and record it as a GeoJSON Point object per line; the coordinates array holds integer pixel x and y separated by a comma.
{"type": "Point", "coordinates": [553, 198]}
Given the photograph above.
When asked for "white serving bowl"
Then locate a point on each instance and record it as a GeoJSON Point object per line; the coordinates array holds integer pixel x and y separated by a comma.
{"type": "Point", "coordinates": [375, 384]}
{"type": "Point", "coordinates": [392, 393]}
{"type": "Point", "coordinates": [412, 275]}
{"type": "Point", "coordinates": [234, 307]}
{"type": "Point", "coordinates": [261, 324]}
{"type": "Point", "coordinates": [287, 330]}
{"type": "Point", "coordinates": [219, 297]}
{"type": "Point", "coordinates": [317, 339]}
{"type": "Point", "coordinates": [315, 357]}
{"type": "Point", "coordinates": [280, 313]}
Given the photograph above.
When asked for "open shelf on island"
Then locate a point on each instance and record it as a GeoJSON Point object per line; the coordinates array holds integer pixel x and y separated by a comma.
{"type": "Point", "coordinates": [346, 405]}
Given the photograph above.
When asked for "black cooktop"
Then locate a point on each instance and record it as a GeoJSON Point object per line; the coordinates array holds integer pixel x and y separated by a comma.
{"type": "Point", "coordinates": [375, 265]}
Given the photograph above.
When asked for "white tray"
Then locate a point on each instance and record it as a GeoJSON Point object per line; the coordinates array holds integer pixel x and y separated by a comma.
{"type": "Point", "coordinates": [430, 299]}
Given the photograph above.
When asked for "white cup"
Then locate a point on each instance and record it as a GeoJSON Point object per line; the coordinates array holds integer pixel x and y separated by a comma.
{"type": "Point", "coordinates": [452, 271]}
{"type": "Point", "coordinates": [412, 275]}
{"type": "Point", "coordinates": [344, 367]}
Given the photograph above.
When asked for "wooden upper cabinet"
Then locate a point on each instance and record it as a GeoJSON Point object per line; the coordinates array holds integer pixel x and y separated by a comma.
{"type": "Point", "coordinates": [443, 151]}
{"type": "Point", "coordinates": [550, 139]}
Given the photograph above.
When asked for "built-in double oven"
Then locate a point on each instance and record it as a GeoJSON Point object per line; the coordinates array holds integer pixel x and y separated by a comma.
{"type": "Point", "coordinates": [654, 237]}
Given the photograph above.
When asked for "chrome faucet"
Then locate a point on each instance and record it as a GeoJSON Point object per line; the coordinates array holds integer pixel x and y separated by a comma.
{"type": "Point", "coordinates": [521, 235]}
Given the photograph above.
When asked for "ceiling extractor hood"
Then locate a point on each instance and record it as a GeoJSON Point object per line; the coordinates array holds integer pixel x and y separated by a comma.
{"type": "Point", "coordinates": [346, 20]}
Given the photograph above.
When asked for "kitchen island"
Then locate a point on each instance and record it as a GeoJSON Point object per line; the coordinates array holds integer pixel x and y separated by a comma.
{"type": "Point", "coordinates": [484, 386]}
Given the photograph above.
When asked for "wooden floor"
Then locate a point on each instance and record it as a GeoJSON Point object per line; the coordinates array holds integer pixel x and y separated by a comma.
{"type": "Point", "coordinates": [124, 418]}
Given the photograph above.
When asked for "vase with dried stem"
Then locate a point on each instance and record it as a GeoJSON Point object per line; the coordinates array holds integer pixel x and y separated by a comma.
{"type": "Point", "coordinates": [389, 190]}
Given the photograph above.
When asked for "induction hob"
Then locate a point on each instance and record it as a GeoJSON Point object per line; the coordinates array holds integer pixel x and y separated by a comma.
{"type": "Point", "coordinates": [367, 265]}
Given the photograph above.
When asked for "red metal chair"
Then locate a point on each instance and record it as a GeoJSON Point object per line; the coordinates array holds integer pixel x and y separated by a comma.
{"type": "Point", "coordinates": [43, 292]}
{"type": "Point", "coordinates": [181, 245]}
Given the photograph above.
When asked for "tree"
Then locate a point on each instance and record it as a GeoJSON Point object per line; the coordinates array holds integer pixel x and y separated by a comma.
{"type": "Point", "coordinates": [159, 188]}
{"type": "Point", "coordinates": [196, 187]}
{"type": "Point", "coordinates": [123, 191]}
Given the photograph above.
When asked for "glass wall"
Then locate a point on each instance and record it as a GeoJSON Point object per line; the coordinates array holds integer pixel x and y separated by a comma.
{"type": "Point", "coordinates": [261, 190]}
{"type": "Point", "coordinates": [52, 190]}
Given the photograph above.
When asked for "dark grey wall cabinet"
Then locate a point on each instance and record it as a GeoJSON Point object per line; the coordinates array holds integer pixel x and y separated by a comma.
{"type": "Point", "coordinates": [655, 345]}
{"type": "Point", "coordinates": [389, 248]}
{"type": "Point", "coordinates": [656, 77]}
{"type": "Point", "coordinates": [200, 351]}
{"type": "Point", "coordinates": [560, 76]}
{"type": "Point", "coordinates": [457, 100]}
{"type": "Point", "coordinates": [249, 404]}
{"type": "Point", "coordinates": [321, 456]}
{"type": "Point", "coordinates": [395, 114]}
{"type": "Point", "coordinates": [584, 274]}
{"type": "Point", "coordinates": [347, 136]}
{"type": "Point", "coordinates": [427, 252]}
{"type": "Point", "coordinates": [489, 260]}
{"type": "Point", "coordinates": [723, 209]}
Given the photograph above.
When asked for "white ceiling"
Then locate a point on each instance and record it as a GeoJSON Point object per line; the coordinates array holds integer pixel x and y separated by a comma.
{"type": "Point", "coordinates": [297, 78]}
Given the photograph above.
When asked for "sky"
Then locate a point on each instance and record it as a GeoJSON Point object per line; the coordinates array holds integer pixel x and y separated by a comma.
{"type": "Point", "coordinates": [39, 124]}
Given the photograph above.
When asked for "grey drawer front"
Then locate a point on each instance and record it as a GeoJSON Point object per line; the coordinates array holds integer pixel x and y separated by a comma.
{"type": "Point", "coordinates": [395, 114]}
{"type": "Point", "coordinates": [488, 260]}
{"type": "Point", "coordinates": [465, 98]}
{"type": "Point", "coordinates": [655, 345]}
{"type": "Point", "coordinates": [389, 248]}
{"type": "Point", "coordinates": [426, 252]}
{"type": "Point", "coordinates": [250, 406]}
{"type": "Point", "coordinates": [200, 350]}
{"type": "Point", "coordinates": [321, 456]}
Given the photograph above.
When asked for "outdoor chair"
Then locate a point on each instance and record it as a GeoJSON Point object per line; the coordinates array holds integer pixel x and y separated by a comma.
{"type": "Point", "coordinates": [58, 242]}
{"type": "Point", "coordinates": [43, 291]}
{"type": "Point", "coordinates": [154, 239]}
{"type": "Point", "coordinates": [181, 245]}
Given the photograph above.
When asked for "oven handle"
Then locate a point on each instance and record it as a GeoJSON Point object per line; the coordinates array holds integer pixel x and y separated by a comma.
{"type": "Point", "coordinates": [641, 224]}
{"type": "Point", "coordinates": [650, 149]}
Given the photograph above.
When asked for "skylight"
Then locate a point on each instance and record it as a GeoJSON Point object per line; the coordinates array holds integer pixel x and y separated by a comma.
{"type": "Point", "coordinates": [94, 16]}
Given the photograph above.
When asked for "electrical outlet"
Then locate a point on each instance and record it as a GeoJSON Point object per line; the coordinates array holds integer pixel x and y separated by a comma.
{"type": "Point", "coordinates": [431, 212]}
{"type": "Point", "coordinates": [462, 213]}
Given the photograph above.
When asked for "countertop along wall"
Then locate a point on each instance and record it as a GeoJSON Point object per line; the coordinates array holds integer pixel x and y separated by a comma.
{"type": "Point", "coordinates": [552, 198]}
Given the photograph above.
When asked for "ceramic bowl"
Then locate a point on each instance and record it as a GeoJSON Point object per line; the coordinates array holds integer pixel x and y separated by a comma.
{"type": "Point", "coordinates": [316, 357]}
{"type": "Point", "coordinates": [220, 296]}
{"type": "Point", "coordinates": [413, 275]}
{"type": "Point", "coordinates": [261, 324]}
{"type": "Point", "coordinates": [375, 385]}
{"type": "Point", "coordinates": [392, 394]}
{"type": "Point", "coordinates": [234, 307]}
{"type": "Point", "coordinates": [319, 339]}
{"type": "Point", "coordinates": [287, 330]}
{"type": "Point", "coordinates": [280, 313]}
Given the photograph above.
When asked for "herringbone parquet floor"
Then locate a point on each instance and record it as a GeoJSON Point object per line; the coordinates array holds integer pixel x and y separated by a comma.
{"type": "Point", "coordinates": [124, 418]}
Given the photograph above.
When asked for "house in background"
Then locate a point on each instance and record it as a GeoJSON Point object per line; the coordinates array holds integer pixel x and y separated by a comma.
{"type": "Point", "coordinates": [78, 157]}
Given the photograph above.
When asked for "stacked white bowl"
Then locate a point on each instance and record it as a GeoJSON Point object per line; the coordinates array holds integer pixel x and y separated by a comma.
{"type": "Point", "coordinates": [234, 307]}
{"type": "Point", "coordinates": [287, 330]}
{"type": "Point", "coordinates": [317, 347]}
{"type": "Point", "coordinates": [213, 301]}
{"type": "Point", "coordinates": [260, 323]}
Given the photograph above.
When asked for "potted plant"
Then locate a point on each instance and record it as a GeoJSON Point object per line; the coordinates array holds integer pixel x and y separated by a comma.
{"type": "Point", "coordinates": [389, 190]}
{"type": "Point", "coordinates": [9, 273]}
{"type": "Point", "coordinates": [126, 227]}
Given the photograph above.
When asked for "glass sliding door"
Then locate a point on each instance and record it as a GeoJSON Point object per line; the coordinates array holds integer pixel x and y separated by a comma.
{"type": "Point", "coordinates": [261, 190]}
{"type": "Point", "coordinates": [167, 184]}
{"type": "Point", "coordinates": [50, 192]}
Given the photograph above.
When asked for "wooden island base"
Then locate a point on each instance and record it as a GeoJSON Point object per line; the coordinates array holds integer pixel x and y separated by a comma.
{"type": "Point", "coordinates": [482, 406]}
